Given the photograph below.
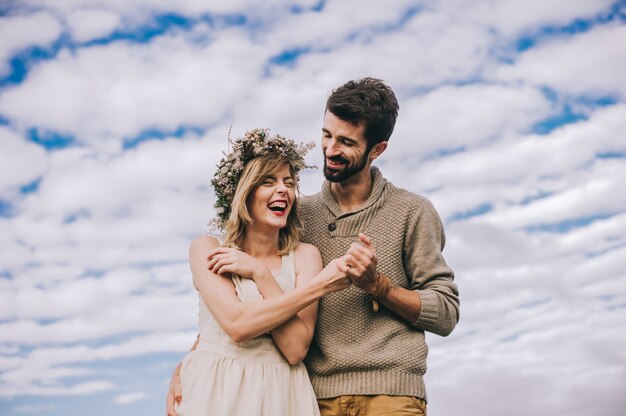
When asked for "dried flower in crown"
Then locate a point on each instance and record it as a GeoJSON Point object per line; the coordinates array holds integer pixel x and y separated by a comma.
{"type": "Point", "coordinates": [253, 144]}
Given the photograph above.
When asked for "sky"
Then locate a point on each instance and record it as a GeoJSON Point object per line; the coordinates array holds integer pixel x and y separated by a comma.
{"type": "Point", "coordinates": [113, 115]}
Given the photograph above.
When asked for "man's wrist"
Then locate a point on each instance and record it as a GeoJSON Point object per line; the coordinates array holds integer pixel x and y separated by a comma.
{"type": "Point", "coordinates": [383, 287]}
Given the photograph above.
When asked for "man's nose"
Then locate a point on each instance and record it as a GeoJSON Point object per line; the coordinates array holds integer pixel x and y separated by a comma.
{"type": "Point", "coordinates": [332, 149]}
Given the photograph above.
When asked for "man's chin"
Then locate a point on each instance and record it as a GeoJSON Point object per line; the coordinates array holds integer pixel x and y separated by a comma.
{"type": "Point", "coordinates": [332, 175]}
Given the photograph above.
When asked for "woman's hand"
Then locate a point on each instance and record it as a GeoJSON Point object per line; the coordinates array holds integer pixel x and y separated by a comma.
{"type": "Point", "coordinates": [334, 275]}
{"type": "Point", "coordinates": [231, 260]}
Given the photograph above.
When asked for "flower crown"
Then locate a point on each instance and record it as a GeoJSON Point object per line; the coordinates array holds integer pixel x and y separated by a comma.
{"type": "Point", "coordinates": [255, 143]}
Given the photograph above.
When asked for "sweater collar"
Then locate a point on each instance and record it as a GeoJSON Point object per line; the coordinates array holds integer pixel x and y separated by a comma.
{"type": "Point", "coordinates": [378, 186]}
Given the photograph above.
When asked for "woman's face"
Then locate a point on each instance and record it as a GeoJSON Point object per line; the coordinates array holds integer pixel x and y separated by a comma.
{"type": "Point", "coordinates": [271, 203]}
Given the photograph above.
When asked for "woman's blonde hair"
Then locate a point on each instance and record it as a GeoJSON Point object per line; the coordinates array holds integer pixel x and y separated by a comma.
{"type": "Point", "coordinates": [253, 175]}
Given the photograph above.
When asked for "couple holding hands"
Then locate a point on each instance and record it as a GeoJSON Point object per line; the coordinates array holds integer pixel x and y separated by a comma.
{"type": "Point", "coordinates": [345, 281]}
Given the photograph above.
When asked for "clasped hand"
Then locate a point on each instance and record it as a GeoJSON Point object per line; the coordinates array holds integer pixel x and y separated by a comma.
{"type": "Point", "coordinates": [362, 261]}
{"type": "Point", "coordinates": [334, 275]}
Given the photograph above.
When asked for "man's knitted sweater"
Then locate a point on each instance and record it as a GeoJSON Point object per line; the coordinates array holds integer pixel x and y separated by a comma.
{"type": "Point", "coordinates": [357, 351]}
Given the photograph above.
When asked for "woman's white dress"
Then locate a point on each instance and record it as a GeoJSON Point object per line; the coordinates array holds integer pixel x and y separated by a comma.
{"type": "Point", "coordinates": [221, 377]}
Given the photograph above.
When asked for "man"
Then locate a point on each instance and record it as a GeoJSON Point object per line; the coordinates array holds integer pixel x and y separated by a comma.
{"type": "Point", "coordinates": [368, 356]}
{"type": "Point", "coordinates": [365, 356]}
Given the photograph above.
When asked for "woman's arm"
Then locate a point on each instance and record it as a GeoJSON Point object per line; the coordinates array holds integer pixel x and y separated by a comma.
{"type": "Point", "coordinates": [293, 338]}
{"type": "Point", "coordinates": [244, 321]}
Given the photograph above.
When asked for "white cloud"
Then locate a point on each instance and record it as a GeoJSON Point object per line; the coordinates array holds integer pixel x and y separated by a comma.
{"type": "Point", "coordinates": [598, 195]}
{"type": "Point", "coordinates": [164, 85]}
{"type": "Point", "coordinates": [49, 366]}
{"type": "Point", "coordinates": [128, 398]}
{"type": "Point", "coordinates": [153, 312]}
{"type": "Point", "coordinates": [141, 10]}
{"type": "Point", "coordinates": [553, 163]}
{"type": "Point", "coordinates": [511, 18]}
{"type": "Point", "coordinates": [90, 387]}
{"type": "Point", "coordinates": [589, 64]}
{"type": "Point", "coordinates": [34, 408]}
{"type": "Point", "coordinates": [24, 31]}
{"type": "Point", "coordinates": [450, 118]}
{"type": "Point", "coordinates": [21, 162]}
{"type": "Point", "coordinates": [89, 24]}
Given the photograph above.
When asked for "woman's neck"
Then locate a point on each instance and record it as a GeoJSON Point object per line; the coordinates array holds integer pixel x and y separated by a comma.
{"type": "Point", "coordinates": [260, 243]}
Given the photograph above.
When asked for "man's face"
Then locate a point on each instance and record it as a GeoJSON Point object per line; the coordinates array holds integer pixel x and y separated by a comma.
{"type": "Point", "coordinates": [345, 148]}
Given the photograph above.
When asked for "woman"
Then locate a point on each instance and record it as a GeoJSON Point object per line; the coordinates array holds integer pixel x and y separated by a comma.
{"type": "Point", "coordinates": [258, 291]}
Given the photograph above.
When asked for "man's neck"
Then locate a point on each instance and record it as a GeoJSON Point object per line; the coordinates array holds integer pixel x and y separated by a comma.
{"type": "Point", "coordinates": [354, 192]}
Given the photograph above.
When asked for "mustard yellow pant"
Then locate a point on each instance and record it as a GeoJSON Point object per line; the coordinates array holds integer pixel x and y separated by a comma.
{"type": "Point", "coordinates": [372, 406]}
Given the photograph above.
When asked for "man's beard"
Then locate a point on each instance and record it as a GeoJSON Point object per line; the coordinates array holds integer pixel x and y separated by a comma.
{"type": "Point", "coordinates": [332, 175]}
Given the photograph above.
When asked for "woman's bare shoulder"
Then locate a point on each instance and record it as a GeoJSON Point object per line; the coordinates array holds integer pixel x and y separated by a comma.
{"type": "Point", "coordinates": [307, 254]}
{"type": "Point", "coordinates": [306, 249]}
{"type": "Point", "coordinates": [203, 242]}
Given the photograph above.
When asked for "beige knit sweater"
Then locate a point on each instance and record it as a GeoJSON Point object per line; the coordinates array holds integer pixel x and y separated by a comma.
{"type": "Point", "coordinates": [358, 351]}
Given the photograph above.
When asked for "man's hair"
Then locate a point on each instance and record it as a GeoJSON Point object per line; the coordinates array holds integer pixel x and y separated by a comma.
{"type": "Point", "coordinates": [253, 175]}
{"type": "Point", "coordinates": [367, 100]}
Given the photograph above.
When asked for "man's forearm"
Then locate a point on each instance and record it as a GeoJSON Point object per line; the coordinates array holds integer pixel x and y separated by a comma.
{"type": "Point", "coordinates": [404, 302]}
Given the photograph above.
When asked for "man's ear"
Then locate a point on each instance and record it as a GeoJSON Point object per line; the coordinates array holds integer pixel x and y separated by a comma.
{"type": "Point", "coordinates": [377, 150]}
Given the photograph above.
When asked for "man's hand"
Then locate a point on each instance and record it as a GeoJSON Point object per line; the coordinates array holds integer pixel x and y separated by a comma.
{"type": "Point", "coordinates": [174, 394]}
{"type": "Point", "coordinates": [361, 259]}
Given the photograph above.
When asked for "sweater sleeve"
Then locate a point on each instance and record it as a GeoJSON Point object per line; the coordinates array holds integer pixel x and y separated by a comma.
{"type": "Point", "coordinates": [429, 274]}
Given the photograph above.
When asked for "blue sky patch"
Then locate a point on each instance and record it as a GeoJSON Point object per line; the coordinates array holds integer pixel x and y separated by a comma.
{"type": "Point", "coordinates": [21, 62]}
{"type": "Point", "coordinates": [472, 212]}
{"type": "Point", "coordinates": [50, 140]}
{"type": "Point", "coordinates": [566, 225]}
{"type": "Point", "coordinates": [144, 34]}
{"type": "Point", "coordinates": [77, 215]}
{"type": "Point", "coordinates": [162, 24]}
{"type": "Point", "coordinates": [31, 187]}
{"type": "Point", "coordinates": [441, 153]}
{"type": "Point", "coordinates": [611, 155]}
{"type": "Point", "coordinates": [288, 57]}
{"type": "Point", "coordinates": [157, 134]}
{"type": "Point", "coordinates": [566, 116]}
{"type": "Point", "coordinates": [298, 9]}
{"type": "Point", "coordinates": [6, 209]}
{"type": "Point", "coordinates": [529, 40]}
{"type": "Point", "coordinates": [572, 111]}
{"type": "Point", "coordinates": [532, 198]}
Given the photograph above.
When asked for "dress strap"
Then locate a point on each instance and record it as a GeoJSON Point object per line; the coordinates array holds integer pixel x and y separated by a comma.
{"type": "Point", "coordinates": [287, 275]}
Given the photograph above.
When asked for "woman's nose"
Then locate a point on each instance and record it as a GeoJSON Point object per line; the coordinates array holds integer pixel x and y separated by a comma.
{"type": "Point", "coordinates": [281, 187]}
